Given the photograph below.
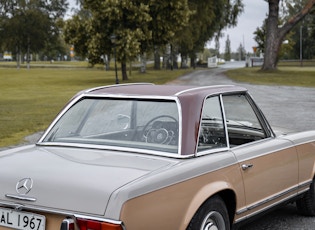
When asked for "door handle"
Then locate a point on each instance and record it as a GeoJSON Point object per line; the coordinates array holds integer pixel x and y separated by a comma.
{"type": "Point", "coordinates": [246, 166]}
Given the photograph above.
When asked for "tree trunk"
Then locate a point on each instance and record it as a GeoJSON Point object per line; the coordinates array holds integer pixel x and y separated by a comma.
{"type": "Point", "coordinates": [124, 71]}
{"type": "Point", "coordinates": [184, 62]}
{"type": "Point", "coordinates": [276, 34]}
{"type": "Point", "coordinates": [106, 60]}
{"type": "Point", "coordinates": [157, 61]}
{"type": "Point", "coordinates": [143, 66]}
{"type": "Point", "coordinates": [273, 40]}
{"type": "Point", "coordinates": [193, 60]}
{"type": "Point", "coordinates": [18, 57]}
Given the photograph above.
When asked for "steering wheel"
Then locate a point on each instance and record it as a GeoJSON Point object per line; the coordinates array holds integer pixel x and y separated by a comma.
{"type": "Point", "coordinates": [156, 131]}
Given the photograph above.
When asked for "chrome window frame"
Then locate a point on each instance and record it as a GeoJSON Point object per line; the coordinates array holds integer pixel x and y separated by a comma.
{"type": "Point", "coordinates": [117, 148]}
{"type": "Point", "coordinates": [215, 150]}
{"type": "Point", "coordinates": [259, 114]}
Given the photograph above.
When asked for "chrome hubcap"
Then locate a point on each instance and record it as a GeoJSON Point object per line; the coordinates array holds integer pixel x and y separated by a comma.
{"type": "Point", "coordinates": [213, 221]}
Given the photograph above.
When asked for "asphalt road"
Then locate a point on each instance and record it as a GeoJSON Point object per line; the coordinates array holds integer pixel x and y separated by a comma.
{"type": "Point", "coordinates": [287, 107]}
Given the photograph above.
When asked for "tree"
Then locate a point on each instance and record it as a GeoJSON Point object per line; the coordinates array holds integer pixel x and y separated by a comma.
{"type": "Point", "coordinates": [227, 53]}
{"type": "Point", "coordinates": [28, 26]}
{"type": "Point", "coordinates": [260, 37]}
{"type": "Point", "coordinates": [286, 46]}
{"type": "Point", "coordinates": [302, 38]}
{"type": "Point", "coordinates": [167, 19]}
{"type": "Point", "coordinates": [76, 33]}
{"type": "Point", "coordinates": [241, 52]}
{"type": "Point", "coordinates": [127, 20]}
{"type": "Point", "coordinates": [208, 19]}
{"type": "Point", "coordinates": [276, 33]}
{"type": "Point", "coordinates": [139, 26]}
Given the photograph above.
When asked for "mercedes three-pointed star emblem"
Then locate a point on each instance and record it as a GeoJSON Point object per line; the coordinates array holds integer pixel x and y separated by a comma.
{"type": "Point", "coordinates": [24, 186]}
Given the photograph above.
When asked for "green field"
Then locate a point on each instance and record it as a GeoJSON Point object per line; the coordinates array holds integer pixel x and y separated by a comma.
{"type": "Point", "coordinates": [30, 99]}
{"type": "Point", "coordinates": [291, 76]}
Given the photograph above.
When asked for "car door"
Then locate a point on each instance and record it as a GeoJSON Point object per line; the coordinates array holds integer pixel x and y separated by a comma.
{"type": "Point", "coordinates": [269, 165]}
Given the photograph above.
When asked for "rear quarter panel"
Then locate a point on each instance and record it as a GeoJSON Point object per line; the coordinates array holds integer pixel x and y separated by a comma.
{"type": "Point", "coordinates": [173, 206]}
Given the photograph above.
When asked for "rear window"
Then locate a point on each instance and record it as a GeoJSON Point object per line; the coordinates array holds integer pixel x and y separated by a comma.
{"type": "Point", "coordinates": [128, 123]}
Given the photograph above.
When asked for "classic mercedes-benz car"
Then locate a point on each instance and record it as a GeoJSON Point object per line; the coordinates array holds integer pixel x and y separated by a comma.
{"type": "Point", "coordinates": [143, 156]}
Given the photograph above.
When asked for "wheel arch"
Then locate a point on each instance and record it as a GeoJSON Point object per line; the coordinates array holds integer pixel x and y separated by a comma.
{"type": "Point", "coordinates": [229, 198]}
{"type": "Point", "coordinates": [226, 193]}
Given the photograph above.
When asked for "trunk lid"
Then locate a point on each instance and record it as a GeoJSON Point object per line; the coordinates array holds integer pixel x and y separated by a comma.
{"type": "Point", "coordinates": [72, 179]}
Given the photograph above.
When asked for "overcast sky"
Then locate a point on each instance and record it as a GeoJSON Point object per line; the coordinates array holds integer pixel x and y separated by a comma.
{"type": "Point", "coordinates": [254, 13]}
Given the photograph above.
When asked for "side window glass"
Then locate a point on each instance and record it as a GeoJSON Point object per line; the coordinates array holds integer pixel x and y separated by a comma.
{"type": "Point", "coordinates": [242, 123]}
{"type": "Point", "coordinates": [211, 133]}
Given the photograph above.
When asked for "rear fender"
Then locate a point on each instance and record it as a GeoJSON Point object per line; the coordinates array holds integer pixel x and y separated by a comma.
{"type": "Point", "coordinates": [201, 196]}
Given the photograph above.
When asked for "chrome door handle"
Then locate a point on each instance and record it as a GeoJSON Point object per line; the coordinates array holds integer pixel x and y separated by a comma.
{"type": "Point", "coordinates": [246, 166]}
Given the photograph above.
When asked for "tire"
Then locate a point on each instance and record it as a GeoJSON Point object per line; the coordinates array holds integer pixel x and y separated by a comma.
{"type": "Point", "coordinates": [306, 204]}
{"type": "Point", "coordinates": [212, 215]}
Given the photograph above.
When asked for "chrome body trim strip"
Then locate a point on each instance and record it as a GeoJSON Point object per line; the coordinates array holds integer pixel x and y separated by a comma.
{"type": "Point", "coordinates": [241, 211]}
{"type": "Point", "coordinates": [263, 209]}
{"type": "Point", "coordinates": [114, 148]}
{"type": "Point", "coordinates": [97, 219]}
{"type": "Point", "coordinates": [20, 197]}
{"type": "Point", "coordinates": [303, 191]}
{"type": "Point", "coordinates": [57, 212]}
{"type": "Point", "coordinates": [277, 196]}
{"type": "Point", "coordinates": [305, 184]}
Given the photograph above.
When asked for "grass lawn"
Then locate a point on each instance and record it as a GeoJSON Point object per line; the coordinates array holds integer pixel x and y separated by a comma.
{"type": "Point", "coordinates": [30, 99]}
{"type": "Point", "coordinates": [290, 76]}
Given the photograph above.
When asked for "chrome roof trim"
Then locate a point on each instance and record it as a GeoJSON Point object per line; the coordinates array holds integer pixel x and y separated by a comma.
{"type": "Point", "coordinates": [202, 87]}
{"type": "Point", "coordinates": [112, 86]}
{"type": "Point", "coordinates": [122, 96]}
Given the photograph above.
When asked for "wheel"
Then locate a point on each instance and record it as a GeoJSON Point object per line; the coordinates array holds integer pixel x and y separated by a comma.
{"type": "Point", "coordinates": [154, 132]}
{"type": "Point", "coordinates": [212, 215]}
{"type": "Point", "coordinates": [306, 204]}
